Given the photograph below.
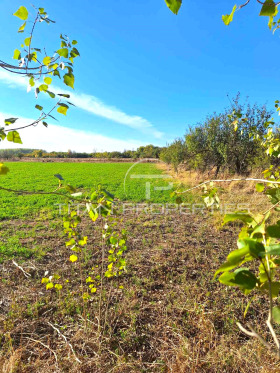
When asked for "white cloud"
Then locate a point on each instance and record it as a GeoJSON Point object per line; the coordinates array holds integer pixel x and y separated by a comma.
{"type": "Point", "coordinates": [92, 105]}
{"type": "Point", "coordinates": [61, 138]}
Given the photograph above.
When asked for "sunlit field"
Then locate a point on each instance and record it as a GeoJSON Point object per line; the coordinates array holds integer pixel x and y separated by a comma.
{"type": "Point", "coordinates": [124, 180]}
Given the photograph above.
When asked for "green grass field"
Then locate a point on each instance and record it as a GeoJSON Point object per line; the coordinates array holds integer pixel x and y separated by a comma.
{"type": "Point", "coordinates": [33, 176]}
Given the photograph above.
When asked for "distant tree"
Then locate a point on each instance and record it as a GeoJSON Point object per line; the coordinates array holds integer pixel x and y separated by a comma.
{"type": "Point", "coordinates": [175, 154]}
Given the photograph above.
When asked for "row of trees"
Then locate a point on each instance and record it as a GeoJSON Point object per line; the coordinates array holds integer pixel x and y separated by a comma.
{"type": "Point", "coordinates": [219, 143]}
{"type": "Point", "coordinates": [148, 151]}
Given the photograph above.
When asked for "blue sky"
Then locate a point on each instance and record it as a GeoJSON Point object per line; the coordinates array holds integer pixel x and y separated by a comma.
{"type": "Point", "coordinates": [144, 74]}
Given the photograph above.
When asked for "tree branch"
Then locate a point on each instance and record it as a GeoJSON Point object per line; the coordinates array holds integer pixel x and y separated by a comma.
{"type": "Point", "coordinates": [228, 181]}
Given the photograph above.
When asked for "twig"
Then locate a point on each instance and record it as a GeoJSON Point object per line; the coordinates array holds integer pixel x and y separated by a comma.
{"type": "Point", "coordinates": [272, 331]}
{"type": "Point", "coordinates": [36, 121]}
{"type": "Point", "coordinates": [34, 340]}
{"type": "Point", "coordinates": [242, 6]}
{"type": "Point", "coordinates": [65, 339]}
{"type": "Point", "coordinates": [228, 181]}
{"type": "Point", "coordinates": [254, 334]}
{"type": "Point", "coordinates": [26, 274]}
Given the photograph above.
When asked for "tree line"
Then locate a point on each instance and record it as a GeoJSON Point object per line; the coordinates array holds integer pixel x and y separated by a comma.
{"type": "Point", "coordinates": [148, 151]}
{"type": "Point", "coordinates": [216, 144]}
{"type": "Point", "coordinates": [221, 144]}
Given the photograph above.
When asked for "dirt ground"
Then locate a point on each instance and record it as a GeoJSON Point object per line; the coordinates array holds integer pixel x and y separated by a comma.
{"type": "Point", "coordinates": [170, 315]}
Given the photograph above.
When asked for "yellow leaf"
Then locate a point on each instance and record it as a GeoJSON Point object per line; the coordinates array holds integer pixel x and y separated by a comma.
{"type": "Point", "coordinates": [73, 258]}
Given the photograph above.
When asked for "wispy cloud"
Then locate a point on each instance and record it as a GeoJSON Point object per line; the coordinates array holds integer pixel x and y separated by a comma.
{"type": "Point", "coordinates": [92, 105]}
{"type": "Point", "coordinates": [59, 138]}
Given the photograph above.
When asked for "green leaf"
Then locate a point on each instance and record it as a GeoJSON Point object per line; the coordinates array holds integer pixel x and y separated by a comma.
{"type": "Point", "coordinates": [93, 214]}
{"type": "Point", "coordinates": [56, 73]}
{"type": "Point", "coordinates": [74, 52]}
{"type": "Point", "coordinates": [62, 109]}
{"type": "Point", "coordinates": [236, 256]}
{"type": "Point", "coordinates": [27, 41]}
{"type": "Point", "coordinates": [31, 81]}
{"type": "Point", "coordinates": [48, 80]}
{"type": "Point", "coordinates": [10, 121]}
{"type": "Point", "coordinates": [275, 288]}
{"type": "Point", "coordinates": [268, 8]}
{"type": "Point", "coordinates": [227, 278]}
{"type": "Point", "coordinates": [259, 187]}
{"type": "Point", "coordinates": [63, 95]}
{"type": "Point", "coordinates": [174, 5]}
{"type": "Point", "coordinates": [242, 278]}
{"type": "Point", "coordinates": [43, 87]}
{"type": "Point", "coordinates": [70, 242]}
{"type": "Point", "coordinates": [70, 188]}
{"type": "Point", "coordinates": [3, 169]}
{"type": "Point", "coordinates": [273, 231]}
{"type": "Point", "coordinates": [45, 124]}
{"type": "Point", "coordinates": [273, 249]}
{"type": "Point", "coordinates": [39, 107]}
{"type": "Point", "coordinates": [14, 136]}
{"type": "Point", "coordinates": [276, 314]}
{"type": "Point", "coordinates": [63, 52]}
{"type": "Point", "coordinates": [245, 279]}
{"type": "Point", "coordinates": [245, 217]}
{"type": "Point", "coordinates": [256, 249]}
{"type": "Point", "coordinates": [49, 286]}
{"type": "Point", "coordinates": [51, 94]}
{"type": "Point", "coordinates": [21, 13]}
{"type": "Point", "coordinates": [22, 27]}
{"type": "Point", "coordinates": [47, 60]}
{"type": "Point", "coordinates": [58, 176]}
{"type": "Point", "coordinates": [227, 266]}
{"type": "Point", "coordinates": [69, 80]}
{"type": "Point", "coordinates": [74, 42]}
{"type": "Point", "coordinates": [17, 55]}
{"type": "Point", "coordinates": [58, 286]}
{"type": "Point", "coordinates": [229, 17]}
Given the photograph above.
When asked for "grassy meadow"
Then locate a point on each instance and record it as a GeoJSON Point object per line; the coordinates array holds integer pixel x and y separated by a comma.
{"type": "Point", "coordinates": [37, 176]}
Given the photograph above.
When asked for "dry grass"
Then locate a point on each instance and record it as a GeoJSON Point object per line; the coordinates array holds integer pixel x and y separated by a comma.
{"type": "Point", "coordinates": [233, 195]}
{"type": "Point", "coordinates": [170, 317]}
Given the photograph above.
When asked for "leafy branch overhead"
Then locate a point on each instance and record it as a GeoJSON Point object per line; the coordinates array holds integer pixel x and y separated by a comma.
{"type": "Point", "coordinates": [41, 70]}
{"type": "Point", "coordinates": [268, 9]}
